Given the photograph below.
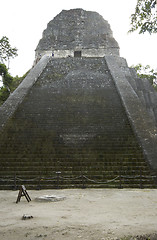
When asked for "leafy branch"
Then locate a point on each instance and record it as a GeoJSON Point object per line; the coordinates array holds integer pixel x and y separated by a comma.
{"type": "Point", "coordinates": [146, 72]}
{"type": "Point", "coordinates": [144, 18]}
{"type": "Point", "coordinates": [6, 51]}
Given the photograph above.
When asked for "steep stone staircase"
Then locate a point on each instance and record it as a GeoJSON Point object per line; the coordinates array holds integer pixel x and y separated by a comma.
{"type": "Point", "coordinates": [146, 94]}
{"type": "Point", "coordinates": [71, 130]}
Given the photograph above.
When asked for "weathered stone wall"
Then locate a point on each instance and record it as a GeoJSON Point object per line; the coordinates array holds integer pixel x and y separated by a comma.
{"type": "Point", "coordinates": [142, 123]}
{"type": "Point", "coordinates": [77, 29]}
{"type": "Point", "coordinates": [145, 92]}
{"type": "Point", "coordinates": [72, 120]}
{"type": "Point", "coordinates": [73, 112]}
{"type": "Point", "coordinates": [12, 103]}
{"type": "Point", "coordinates": [84, 53]}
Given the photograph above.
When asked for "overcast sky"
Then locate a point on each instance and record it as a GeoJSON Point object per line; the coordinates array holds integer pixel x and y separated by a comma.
{"type": "Point", "coordinates": [23, 22]}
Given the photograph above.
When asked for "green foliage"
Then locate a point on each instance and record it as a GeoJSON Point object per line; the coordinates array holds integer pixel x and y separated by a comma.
{"type": "Point", "coordinates": [9, 83]}
{"type": "Point", "coordinates": [146, 72]}
{"type": "Point", "coordinates": [3, 69]}
{"type": "Point", "coordinates": [4, 94]}
{"type": "Point", "coordinates": [17, 80]}
{"type": "Point", "coordinates": [155, 86]}
{"type": "Point", "coordinates": [6, 51]}
{"type": "Point", "coordinates": [6, 77]}
{"type": "Point", "coordinates": [144, 19]}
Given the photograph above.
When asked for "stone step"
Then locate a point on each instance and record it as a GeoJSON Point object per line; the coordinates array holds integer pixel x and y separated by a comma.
{"type": "Point", "coordinates": [109, 159]}
{"type": "Point", "coordinates": [113, 169]}
{"type": "Point", "coordinates": [39, 161]}
{"type": "Point", "coordinates": [49, 184]}
{"type": "Point", "coordinates": [87, 176]}
{"type": "Point", "coordinates": [35, 187]}
{"type": "Point", "coordinates": [66, 162]}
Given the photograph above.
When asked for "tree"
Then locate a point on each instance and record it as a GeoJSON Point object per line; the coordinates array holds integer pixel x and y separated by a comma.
{"type": "Point", "coordinates": [145, 17]}
{"type": "Point", "coordinates": [6, 77]}
{"type": "Point", "coordinates": [6, 51]}
{"type": "Point", "coordinates": [3, 69]}
{"type": "Point", "coordinates": [9, 83]}
{"type": "Point", "coordinates": [4, 94]}
{"type": "Point", "coordinates": [146, 72]}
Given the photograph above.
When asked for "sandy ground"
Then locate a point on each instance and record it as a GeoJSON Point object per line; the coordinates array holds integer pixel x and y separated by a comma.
{"type": "Point", "coordinates": [93, 214]}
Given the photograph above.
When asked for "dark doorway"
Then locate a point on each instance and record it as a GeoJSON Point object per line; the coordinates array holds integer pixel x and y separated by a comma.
{"type": "Point", "coordinates": [77, 53]}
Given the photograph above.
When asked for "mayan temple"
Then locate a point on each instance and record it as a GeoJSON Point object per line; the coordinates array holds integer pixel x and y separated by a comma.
{"type": "Point", "coordinates": [81, 117]}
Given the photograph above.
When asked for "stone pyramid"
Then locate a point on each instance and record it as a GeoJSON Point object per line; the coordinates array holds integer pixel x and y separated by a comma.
{"type": "Point", "coordinates": [81, 117]}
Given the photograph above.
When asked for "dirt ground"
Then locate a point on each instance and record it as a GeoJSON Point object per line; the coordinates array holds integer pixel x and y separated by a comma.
{"type": "Point", "coordinates": [88, 214]}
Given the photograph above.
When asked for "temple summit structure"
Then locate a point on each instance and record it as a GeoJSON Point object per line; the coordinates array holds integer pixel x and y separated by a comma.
{"type": "Point", "coordinates": [81, 117]}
